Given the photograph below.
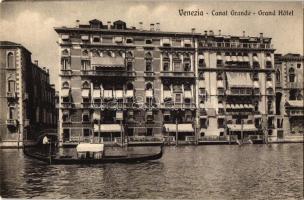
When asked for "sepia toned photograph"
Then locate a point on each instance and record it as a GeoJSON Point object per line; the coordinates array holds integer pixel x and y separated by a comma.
{"type": "Point", "coordinates": [151, 99]}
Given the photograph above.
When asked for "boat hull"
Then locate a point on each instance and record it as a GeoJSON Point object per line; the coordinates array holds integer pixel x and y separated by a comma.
{"type": "Point", "coordinates": [106, 159]}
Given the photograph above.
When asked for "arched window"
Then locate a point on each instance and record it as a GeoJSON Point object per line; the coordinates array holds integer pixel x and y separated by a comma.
{"type": "Point", "coordinates": [11, 86]}
{"type": "Point", "coordinates": [10, 60]}
{"type": "Point", "coordinates": [291, 75]}
{"type": "Point", "coordinates": [149, 86]}
{"type": "Point", "coordinates": [65, 52]}
{"type": "Point", "coordinates": [96, 53]}
{"type": "Point", "coordinates": [129, 54]}
{"type": "Point", "coordinates": [167, 87]}
{"type": "Point", "coordinates": [65, 85]}
{"type": "Point", "coordinates": [130, 86]}
{"type": "Point", "coordinates": [187, 87]}
{"type": "Point", "coordinates": [278, 76]}
{"type": "Point", "coordinates": [148, 55]}
{"type": "Point", "coordinates": [129, 66]}
{"type": "Point", "coordinates": [85, 53]}
{"type": "Point", "coordinates": [86, 84]}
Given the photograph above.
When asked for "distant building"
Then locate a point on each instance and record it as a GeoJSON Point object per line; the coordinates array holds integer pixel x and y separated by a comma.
{"type": "Point", "coordinates": [289, 94]}
{"type": "Point", "coordinates": [27, 104]}
{"type": "Point", "coordinates": [188, 85]}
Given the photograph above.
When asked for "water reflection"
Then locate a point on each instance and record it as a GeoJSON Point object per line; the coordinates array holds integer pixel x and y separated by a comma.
{"type": "Point", "coordinates": [217, 172]}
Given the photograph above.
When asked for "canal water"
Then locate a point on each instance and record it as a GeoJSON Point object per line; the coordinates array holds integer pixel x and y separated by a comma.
{"type": "Point", "coordinates": [197, 172]}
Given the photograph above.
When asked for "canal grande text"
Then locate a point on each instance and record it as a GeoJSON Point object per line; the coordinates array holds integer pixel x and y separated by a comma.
{"type": "Point", "coordinates": [200, 12]}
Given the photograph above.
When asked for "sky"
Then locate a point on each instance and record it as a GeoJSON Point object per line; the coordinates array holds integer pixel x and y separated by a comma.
{"type": "Point", "coordinates": [31, 23]}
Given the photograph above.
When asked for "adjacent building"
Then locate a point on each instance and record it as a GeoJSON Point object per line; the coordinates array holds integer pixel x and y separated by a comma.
{"type": "Point", "coordinates": [289, 94]}
{"type": "Point", "coordinates": [118, 81]}
{"type": "Point", "coordinates": [27, 104]}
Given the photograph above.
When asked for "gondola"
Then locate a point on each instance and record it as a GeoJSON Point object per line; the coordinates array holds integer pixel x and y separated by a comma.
{"type": "Point", "coordinates": [64, 160]}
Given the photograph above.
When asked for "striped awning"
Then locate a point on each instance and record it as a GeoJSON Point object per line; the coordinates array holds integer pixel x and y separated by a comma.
{"type": "Point", "coordinates": [85, 37]}
{"type": "Point", "coordinates": [227, 58]}
{"type": "Point", "coordinates": [65, 92]}
{"type": "Point", "coordinates": [108, 61]}
{"type": "Point", "coordinates": [85, 93]}
{"type": "Point", "coordinates": [108, 94]}
{"type": "Point", "coordinates": [65, 37]}
{"type": "Point", "coordinates": [201, 84]}
{"type": "Point", "coordinates": [166, 41]}
{"type": "Point", "coordinates": [118, 39]}
{"type": "Point", "coordinates": [96, 94]}
{"type": "Point", "coordinates": [239, 79]}
{"type": "Point", "coordinates": [255, 58]}
{"type": "Point", "coordinates": [256, 84]}
{"type": "Point", "coordinates": [149, 93]}
{"type": "Point", "coordinates": [219, 57]}
{"type": "Point", "coordinates": [187, 41]}
{"type": "Point", "coordinates": [240, 59]}
{"type": "Point", "coordinates": [129, 93]}
{"type": "Point", "coordinates": [240, 127]}
{"type": "Point", "coordinates": [167, 94]}
{"type": "Point", "coordinates": [180, 128]}
{"type": "Point", "coordinates": [118, 94]}
{"type": "Point", "coordinates": [269, 84]}
{"type": "Point", "coordinates": [96, 115]}
{"type": "Point", "coordinates": [233, 58]}
{"type": "Point", "coordinates": [220, 84]}
{"type": "Point", "coordinates": [106, 128]}
{"type": "Point", "coordinates": [188, 94]}
{"type": "Point", "coordinates": [201, 57]}
{"type": "Point", "coordinates": [246, 59]}
{"type": "Point", "coordinates": [268, 58]}
{"type": "Point", "coordinates": [295, 103]}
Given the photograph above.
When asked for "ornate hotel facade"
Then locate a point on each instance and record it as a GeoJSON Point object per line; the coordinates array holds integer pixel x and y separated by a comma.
{"type": "Point", "coordinates": [27, 99]}
{"type": "Point", "coordinates": [289, 94]}
{"type": "Point", "coordinates": [117, 80]}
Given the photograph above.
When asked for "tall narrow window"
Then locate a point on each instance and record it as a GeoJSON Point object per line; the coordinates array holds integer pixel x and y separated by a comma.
{"type": "Point", "coordinates": [11, 113]}
{"type": "Point", "coordinates": [278, 76]}
{"type": "Point", "coordinates": [10, 60]}
{"type": "Point", "coordinates": [64, 62]}
{"type": "Point", "coordinates": [291, 75]}
{"type": "Point", "coordinates": [11, 86]}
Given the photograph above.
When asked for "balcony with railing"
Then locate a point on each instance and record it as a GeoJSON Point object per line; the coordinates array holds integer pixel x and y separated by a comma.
{"type": "Point", "coordinates": [67, 104]}
{"type": "Point", "coordinates": [294, 85]}
{"type": "Point", "coordinates": [66, 72]}
{"type": "Point", "coordinates": [108, 73]}
{"type": "Point", "coordinates": [234, 45]}
{"type": "Point", "coordinates": [11, 95]}
{"type": "Point", "coordinates": [11, 122]}
{"type": "Point", "coordinates": [149, 74]}
{"type": "Point", "coordinates": [177, 74]}
{"type": "Point", "coordinates": [175, 105]}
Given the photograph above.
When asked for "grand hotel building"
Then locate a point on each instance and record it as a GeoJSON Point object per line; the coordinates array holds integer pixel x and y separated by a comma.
{"type": "Point", "coordinates": [117, 80]}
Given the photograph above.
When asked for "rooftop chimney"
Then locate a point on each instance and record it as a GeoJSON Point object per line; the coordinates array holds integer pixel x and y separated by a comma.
{"type": "Point", "coordinates": [243, 33]}
{"type": "Point", "coordinates": [140, 26]}
{"type": "Point", "coordinates": [220, 32]}
{"type": "Point", "coordinates": [151, 27]}
{"type": "Point", "coordinates": [36, 62]}
{"type": "Point", "coordinates": [77, 23]}
{"type": "Point", "coordinates": [157, 28]}
{"type": "Point", "coordinates": [261, 35]}
{"type": "Point", "coordinates": [206, 32]}
{"type": "Point", "coordinates": [210, 32]}
{"type": "Point", "coordinates": [44, 68]}
{"type": "Point", "coordinates": [109, 24]}
{"type": "Point", "coordinates": [193, 30]}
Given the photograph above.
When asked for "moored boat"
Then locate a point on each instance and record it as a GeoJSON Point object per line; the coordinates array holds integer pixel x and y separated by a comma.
{"type": "Point", "coordinates": [93, 154]}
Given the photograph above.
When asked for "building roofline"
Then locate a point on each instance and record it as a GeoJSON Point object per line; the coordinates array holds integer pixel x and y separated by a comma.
{"type": "Point", "coordinates": [9, 44]}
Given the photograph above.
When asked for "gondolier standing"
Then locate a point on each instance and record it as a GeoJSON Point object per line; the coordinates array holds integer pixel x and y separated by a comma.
{"type": "Point", "coordinates": [45, 143]}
